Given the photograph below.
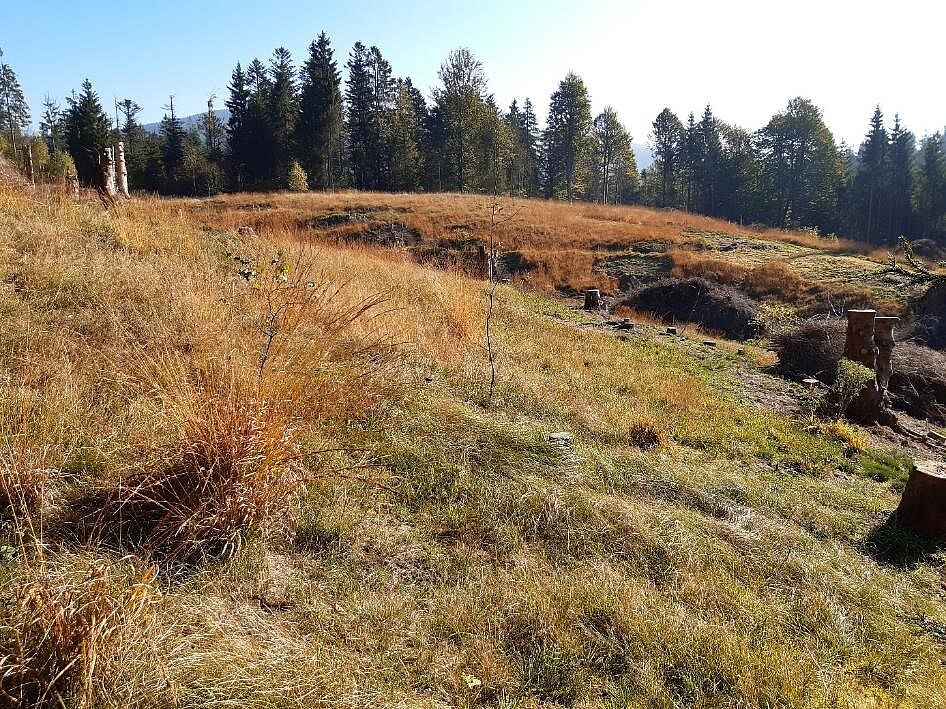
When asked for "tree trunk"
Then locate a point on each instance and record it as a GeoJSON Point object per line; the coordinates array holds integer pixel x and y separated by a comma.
{"type": "Point", "coordinates": [120, 170]}
{"type": "Point", "coordinates": [29, 163]}
{"type": "Point", "coordinates": [923, 504]}
{"type": "Point", "coordinates": [859, 343]}
{"type": "Point", "coordinates": [883, 338]}
{"type": "Point", "coordinates": [592, 299]}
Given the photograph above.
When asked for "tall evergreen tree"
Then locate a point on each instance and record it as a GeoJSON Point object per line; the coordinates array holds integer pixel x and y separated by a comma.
{"type": "Point", "coordinates": [238, 126]}
{"type": "Point", "coordinates": [931, 188]}
{"type": "Point", "coordinates": [900, 179]}
{"type": "Point", "coordinates": [708, 170]}
{"type": "Point", "coordinates": [50, 127]}
{"type": "Point", "coordinates": [691, 161]}
{"type": "Point", "coordinates": [361, 121]}
{"type": "Point", "coordinates": [870, 182]}
{"type": "Point", "coordinates": [87, 129]}
{"type": "Point", "coordinates": [213, 132]}
{"type": "Point", "coordinates": [665, 143]}
{"type": "Point", "coordinates": [14, 111]}
{"type": "Point", "coordinates": [567, 137]}
{"type": "Point", "coordinates": [282, 114]}
{"type": "Point", "coordinates": [320, 117]}
{"type": "Point", "coordinates": [172, 134]}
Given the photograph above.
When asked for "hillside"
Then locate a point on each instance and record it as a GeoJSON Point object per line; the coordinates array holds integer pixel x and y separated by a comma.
{"type": "Point", "coordinates": [261, 468]}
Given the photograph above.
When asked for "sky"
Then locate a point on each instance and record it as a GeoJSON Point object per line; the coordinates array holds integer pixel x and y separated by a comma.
{"type": "Point", "coordinates": [746, 58]}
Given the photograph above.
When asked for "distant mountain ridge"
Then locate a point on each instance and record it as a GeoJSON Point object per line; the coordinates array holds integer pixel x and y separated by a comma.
{"type": "Point", "coordinates": [188, 121]}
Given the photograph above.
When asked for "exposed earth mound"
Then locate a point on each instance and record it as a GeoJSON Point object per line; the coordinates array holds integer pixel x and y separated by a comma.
{"type": "Point", "coordinates": [930, 313]}
{"type": "Point", "coordinates": [697, 300]}
{"type": "Point", "coordinates": [918, 384]}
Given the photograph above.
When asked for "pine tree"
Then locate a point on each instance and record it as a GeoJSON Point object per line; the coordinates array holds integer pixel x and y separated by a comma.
{"type": "Point", "coordinates": [87, 129]}
{"type": "Point", "coordinates": [567, 138]}
{"type": "Point", "coordinates": [259, 135]}
{"type": "Point", "coordinates": [665, 143]}
{"type": "Point", "coordinates": [213, 132]}
{"type": "Point", "coordinates": [320, 118]}
{"type": "Point", "coordinates": [400, 134]}
{"type": "Point", "coordinates": [14, 111]}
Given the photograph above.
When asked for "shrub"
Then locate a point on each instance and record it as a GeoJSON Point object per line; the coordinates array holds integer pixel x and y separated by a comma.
{"type": "Point", "coordinates": [646, 432]}
{"type": "Point", "coordinates": [297, 180]}
{"type": "Point", "coordinates": [236, 467]}
{"type": "Point", "coordinates": [849, 381]}
{"type": "Point", "coordinates": [69, 634]}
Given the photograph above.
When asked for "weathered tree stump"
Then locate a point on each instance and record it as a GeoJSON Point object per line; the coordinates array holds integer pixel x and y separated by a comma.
{"type": "Point", "coordinates": [28, 149]}
{"type": "Point", "coordinates": [107, 172]}
{"type": "Point", "coordinates": [859, 343]}
{"type": "Point", "coordinates": [74, 183]}
{"type": "Point", "coordinates": [883, 338]}
{"type": "Point", "coordinates": [923, 504]}
{"type": "Point", "coordinates": [592, 299]}
{"type": "Point", "coordinates": [859, 346]}
{"type": "Point", "coordinates": [121, 171]}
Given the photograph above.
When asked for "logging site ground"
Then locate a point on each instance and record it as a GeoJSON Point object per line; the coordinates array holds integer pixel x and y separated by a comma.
{"type": "Point", "coordinates": [251, 457]}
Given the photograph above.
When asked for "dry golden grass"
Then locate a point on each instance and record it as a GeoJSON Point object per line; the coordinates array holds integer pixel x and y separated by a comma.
{"type": "Point", "coordinates": [561, 240]}
{"type": "Point", "coordinates": [440, 551]}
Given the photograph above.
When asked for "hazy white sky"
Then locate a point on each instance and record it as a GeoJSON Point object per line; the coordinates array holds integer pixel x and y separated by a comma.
{"type": "Point", "coordinates": [745, 58]}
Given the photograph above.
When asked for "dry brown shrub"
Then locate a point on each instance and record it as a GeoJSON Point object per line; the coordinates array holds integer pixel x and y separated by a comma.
{"type": "Point", "coordinates": [646, 432]}
{"type": "Point", "coordinates": [70, 631]}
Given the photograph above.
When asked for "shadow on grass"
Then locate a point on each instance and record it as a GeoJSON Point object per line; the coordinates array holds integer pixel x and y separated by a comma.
{"type": "Point", "coordinates": [893, 545]}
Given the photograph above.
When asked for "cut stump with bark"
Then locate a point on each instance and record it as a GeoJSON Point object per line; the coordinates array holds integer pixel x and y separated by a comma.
{"type": "Point", "coordinates": [922, 507]}
{"type": "Point", "coordinates": [592, 299]}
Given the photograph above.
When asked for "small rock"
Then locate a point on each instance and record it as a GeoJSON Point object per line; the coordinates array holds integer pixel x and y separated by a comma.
{"type": "Point", "coordinates": [741, 351]}
{"type": "Point", "coordinates": [428, 378]}
{"type": "Point", "coordinates": [562, 439]}
{"type": "Point", "coordinates": [246, 231]}
{"type": "Point", "coordinates": [811, 382]}
{"type": "Point", "coordinates": [671, 331]}
{"type": "Point", "coordinates": [709, 343]}
{"type": "Point", "coordinates": [936, 437]}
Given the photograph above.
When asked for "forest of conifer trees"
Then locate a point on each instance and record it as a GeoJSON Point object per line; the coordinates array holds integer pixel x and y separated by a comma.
{"type": "Point", "coordinates": [301, 127]}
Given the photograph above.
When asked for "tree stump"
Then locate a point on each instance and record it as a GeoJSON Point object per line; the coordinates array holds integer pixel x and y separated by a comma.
{"type": "Point", "coordinates": [592, 299]}
{"type": "Point", "coordinates": [107, 172]}
{"type": "Point", "coordinates": [859, 343]}
{"type": "Point", "coordinates": [121, 171]}
{"type": "Point", "coordinates": [923, 504]}
{"type": "Point", "coordinates": [859, 347]}
{"type": "Point", "coordinates": [29, 164]}
{"type": "Point", "coordinates": [883, 338]}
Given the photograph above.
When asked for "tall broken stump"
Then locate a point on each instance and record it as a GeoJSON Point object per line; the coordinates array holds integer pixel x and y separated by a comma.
{"type": "Point", "coordinates": [922, 507]}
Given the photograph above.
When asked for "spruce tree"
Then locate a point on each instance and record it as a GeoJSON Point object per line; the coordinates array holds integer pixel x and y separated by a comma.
{"type": "Point", "coordinates": [708, 171]}
{"type": "Point", "coordinates": [901, 181]}
{"type": "Point", "coordinates": [14, 111]}
{"type": "Point", "coordinates": [282, 114]}
{"type": "Point", "coordinates": [238, 127]}
{"type": "Point", "coordinates": [931, 188]}
{"type": "Point", "coordinates": [86, 131]}
{"type": "Point", "coordinates": [50, 127]}
{"type": "Point", "coordinates": [567, 137]}
{"type": "Point", "coordinates": [871, 183]}
{"type": "Point", "coordinates": [691, 161]}
{"type": "Point", "coordinates": [615, 173]}
{"type": "Point", "coordinates": [320, 117]}
{"type": "Point", "coordinates": [361, 124]}
{"type": "Point", "coordinates": [665, 143]}
{"type": "Point", "coordinates": [172, 154]}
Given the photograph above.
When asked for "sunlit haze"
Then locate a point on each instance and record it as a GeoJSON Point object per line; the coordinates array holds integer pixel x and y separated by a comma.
{"type": "Point", "coordinates": [745, 58]}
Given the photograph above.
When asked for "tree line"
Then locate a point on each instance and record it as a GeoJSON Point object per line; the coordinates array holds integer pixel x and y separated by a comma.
{"type": "Point", "coordinates": [303, 127]}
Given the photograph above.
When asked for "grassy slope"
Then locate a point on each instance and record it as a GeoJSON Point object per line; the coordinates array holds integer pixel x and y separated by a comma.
{"type": "Point", "coordinates": [463, 560]}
